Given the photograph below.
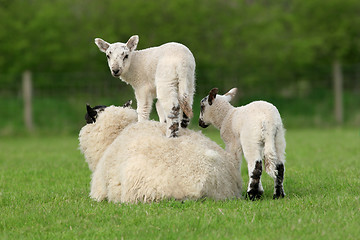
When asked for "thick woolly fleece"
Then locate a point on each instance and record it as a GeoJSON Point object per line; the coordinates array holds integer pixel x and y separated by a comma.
{"type": "Point", "coordinates": [135, 162]}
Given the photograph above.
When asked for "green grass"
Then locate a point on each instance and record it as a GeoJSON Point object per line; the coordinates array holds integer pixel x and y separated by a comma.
{"type": "Point", "coordinates": [44, 186]}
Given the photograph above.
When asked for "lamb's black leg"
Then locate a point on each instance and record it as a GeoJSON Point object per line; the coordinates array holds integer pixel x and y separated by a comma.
{"type": "Point", "coordinates": [255, 189]}
{"type": "Point", "coordinates": [185, 121]}
{"type": "Point", "coordinates": [279, 188]}
{"type": "Point", "coordinates": [174, 121]}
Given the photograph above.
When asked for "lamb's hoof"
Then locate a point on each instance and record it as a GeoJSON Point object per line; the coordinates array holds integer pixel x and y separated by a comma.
{"type": "Point", "coordinates": [184, 124]}
{"type": "Point", "coordinates": [254, 194]}
{"type": "Point", "coordinates": [173, 130]}
{"type": "Point", "coordinates": [173, 134]}
{"type": "Point", "coordinates": [279, 194]}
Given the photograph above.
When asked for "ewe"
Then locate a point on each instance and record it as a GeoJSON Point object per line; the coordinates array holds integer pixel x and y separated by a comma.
{"type": "Point", "coordinates": [135, 162]}
{"type": "Point", "coordinates": [166, 72]}
{"type": "Point", "coordinates": [256, 130]}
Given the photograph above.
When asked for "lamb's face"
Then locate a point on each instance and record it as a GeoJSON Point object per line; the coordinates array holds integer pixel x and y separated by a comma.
{"type": "Point", "coordinates": [206, 108]}
{"type": "Point", "coordinates": [211, 104]}
{"type": "Point", "coordinates": [118, 54]}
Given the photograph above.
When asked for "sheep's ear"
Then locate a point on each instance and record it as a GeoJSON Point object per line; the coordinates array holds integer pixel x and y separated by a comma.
{"type": "Point", "coordinates": [90, 115]}
{"type": "Point", "coordinates": [132, 43]}
{"type": "Point", "coordinates": [231, 94]}
{"type": "Point", "coordinates": [90, 111]}
{"type": "Point", "coordinates": [102, 45]}
{"type": "Point", "coordinates": [212, 95]}
{"type": "Point", "coordinates": [127, 104]}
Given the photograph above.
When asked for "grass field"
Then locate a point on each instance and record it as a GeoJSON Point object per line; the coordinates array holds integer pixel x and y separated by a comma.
{"type": "Point", "coordinates": [44, 187]}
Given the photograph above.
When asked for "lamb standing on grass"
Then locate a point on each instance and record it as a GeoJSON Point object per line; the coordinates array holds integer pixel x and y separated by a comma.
{"type": "Point", "coordinates": [256, 130]}
{"type": "Point", "coordinates": [135, 162]}
{"type": "Point", "coordinates": [166, 72]}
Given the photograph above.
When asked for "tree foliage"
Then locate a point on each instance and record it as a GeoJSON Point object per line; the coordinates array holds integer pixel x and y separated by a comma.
{"type": "Point", "coordinates": [236, 43]}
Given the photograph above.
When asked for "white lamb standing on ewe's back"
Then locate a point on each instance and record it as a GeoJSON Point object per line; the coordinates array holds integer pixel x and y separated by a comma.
{"type": "Point", "coordinates": [166, 72]}
{"type": "Point", "coordinates": [135, 162]}
{"type": "Point", "coordinates": [255, 130]}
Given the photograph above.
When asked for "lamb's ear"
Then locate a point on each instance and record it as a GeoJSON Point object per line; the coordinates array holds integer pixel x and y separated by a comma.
{"type": "Point", "coordinates": [102, 45]}
{"type": "Point", "coordinates": [212, 95]}
{"type": "Point", "coordinates": [231, 94]}
{"type": "Point", "coordinates": [127, 104]}
{"type": "Point", "coordinates": [132, 43]}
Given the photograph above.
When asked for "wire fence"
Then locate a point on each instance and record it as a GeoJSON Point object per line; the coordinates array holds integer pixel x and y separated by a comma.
{"type": "Point", "coordinates": [71, 84]}
{"type": "Point", "coordinates": [58, 99]}
{"type": "Point", "coordinates": [63, 84]}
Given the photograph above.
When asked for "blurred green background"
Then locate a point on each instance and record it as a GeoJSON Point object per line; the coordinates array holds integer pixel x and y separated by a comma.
{"type": "Point", "coordinates": [287, 52]}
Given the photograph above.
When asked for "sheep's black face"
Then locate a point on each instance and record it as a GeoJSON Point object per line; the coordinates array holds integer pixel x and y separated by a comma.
{"type": "Point", "coordinates": [92, 113]}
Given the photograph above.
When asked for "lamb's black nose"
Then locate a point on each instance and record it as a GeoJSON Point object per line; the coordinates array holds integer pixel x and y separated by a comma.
{"type": "Point", "coordinates": [116, 71]}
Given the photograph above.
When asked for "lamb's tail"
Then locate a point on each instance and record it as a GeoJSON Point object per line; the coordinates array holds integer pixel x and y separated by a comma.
{"type": "Point", "coordinates": [185, 106]}
{"type": "Point", "coordinates": [274, 149]}
{"type": "Point", "coordinates": [186, 89]}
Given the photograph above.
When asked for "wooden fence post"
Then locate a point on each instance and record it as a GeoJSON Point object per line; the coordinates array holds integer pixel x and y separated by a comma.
{"type": "Point", "coordinates": [27, 98]}
{"type": "Point", "coordinates": [338, 92]}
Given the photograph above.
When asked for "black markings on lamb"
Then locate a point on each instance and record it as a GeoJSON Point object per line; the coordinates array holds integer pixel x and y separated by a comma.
{"type": "Point", "coordinates": [174, 115]}
{"type": "Point", "coordinates": [279, 188]}
{"type": "Point", "coordinates": [255, 191]}
{"type": "Point", "coordinates": [185, 121]}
